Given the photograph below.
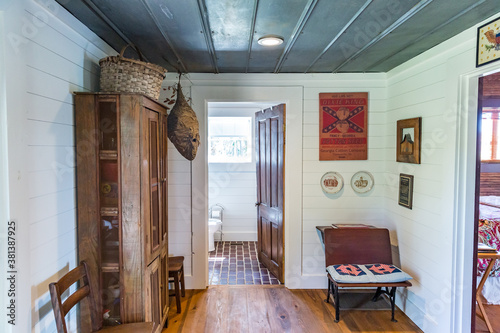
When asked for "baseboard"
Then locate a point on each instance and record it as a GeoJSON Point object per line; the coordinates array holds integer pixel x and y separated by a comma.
{"type": "Point", "coordinates": [231, 236]}
{"type": "Point", "coordinates": [422, 319]}
{"type": "Point", "coordinates": [293, 281]}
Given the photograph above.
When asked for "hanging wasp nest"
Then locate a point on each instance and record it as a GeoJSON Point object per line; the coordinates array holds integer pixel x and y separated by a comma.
{"type": "Point", "coordinates": [183, 127]}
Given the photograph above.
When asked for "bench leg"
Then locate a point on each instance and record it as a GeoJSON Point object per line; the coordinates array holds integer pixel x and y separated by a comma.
{"type": "Point", "coordinates": [392, 296]}
{"type": "Point", "coordinates": [337, 307]}
{"type": "Point", "coordinates": [377, 294]}
{"type": "Point", "coordinates": [329, 291]}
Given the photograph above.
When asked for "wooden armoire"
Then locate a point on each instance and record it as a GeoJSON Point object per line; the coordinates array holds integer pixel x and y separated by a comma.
{"type": "Point", "coordinates": [121, 156]}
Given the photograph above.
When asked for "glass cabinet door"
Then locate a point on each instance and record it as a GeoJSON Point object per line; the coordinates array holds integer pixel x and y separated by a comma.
{"type": "Point", "coordinates": [109, 200]}
{"type": "Point", "coordinates": [152, 131]}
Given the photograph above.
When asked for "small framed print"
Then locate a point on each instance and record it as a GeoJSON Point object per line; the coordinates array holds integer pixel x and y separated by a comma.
{"type": "Point", "coordinates": [332, 182]}
{"type": "Point", "coordinates": [406, 190]}
{"type": "Point", "coordinates": [488, 43]}
{"type": "Point", "coordinates": [409, 135]}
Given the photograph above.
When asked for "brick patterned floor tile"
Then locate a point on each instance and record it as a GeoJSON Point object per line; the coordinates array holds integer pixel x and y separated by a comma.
{"type": "Point", "coordinates": [237, 264]}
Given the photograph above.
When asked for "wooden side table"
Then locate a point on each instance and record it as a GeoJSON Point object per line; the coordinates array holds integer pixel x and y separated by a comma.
{"type": "Point", "coordinates": [493, 256]}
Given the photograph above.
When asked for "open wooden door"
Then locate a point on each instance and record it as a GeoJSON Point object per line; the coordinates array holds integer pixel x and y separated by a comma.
{"type": "Point", "coordinates": [270, 153]}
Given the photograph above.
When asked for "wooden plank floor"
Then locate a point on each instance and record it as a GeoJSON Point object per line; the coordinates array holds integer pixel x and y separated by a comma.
{"type": "Point", "coordinates": [275, 309]}
{"type": "Point", "coordinates": [493, 313]}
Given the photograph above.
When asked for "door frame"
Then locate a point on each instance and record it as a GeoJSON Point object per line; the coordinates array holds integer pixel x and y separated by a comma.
{"type": "Point", "coordinates": [464, 197]}
{"type": "Point", "coordinates": [293, 98]}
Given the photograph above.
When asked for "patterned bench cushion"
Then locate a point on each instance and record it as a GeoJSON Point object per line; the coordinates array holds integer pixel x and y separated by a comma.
{"type": "Point", "coordinates": [369, 273]}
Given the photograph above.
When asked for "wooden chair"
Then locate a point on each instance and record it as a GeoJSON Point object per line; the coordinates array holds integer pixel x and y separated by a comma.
{"type": "Point", "coordinates": [176, 276]}
{"type": "Point", "coordinates": [85, 290]}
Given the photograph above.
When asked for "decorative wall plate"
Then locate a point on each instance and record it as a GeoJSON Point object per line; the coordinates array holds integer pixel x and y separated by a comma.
{"type": "Point", "coordinates": [362, 182]}
{"type": "Point", "coordinates": [332, 182]}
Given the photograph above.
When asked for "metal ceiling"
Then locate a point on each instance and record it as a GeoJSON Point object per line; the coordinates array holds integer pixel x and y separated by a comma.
{"type": "Point", "coordinates": [320, 36]}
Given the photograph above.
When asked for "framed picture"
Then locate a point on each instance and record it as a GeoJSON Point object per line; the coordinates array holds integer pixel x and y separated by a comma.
{"type": "Point", "coordinates": [406, 190]}
{"type": "Point", "coordinates": [409, 134]}
{"type": "Point", "coordinates": [488, 43]}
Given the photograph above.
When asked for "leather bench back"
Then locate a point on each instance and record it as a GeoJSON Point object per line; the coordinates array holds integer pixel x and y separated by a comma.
{"type": "Point", "coordinates": [357, 246]}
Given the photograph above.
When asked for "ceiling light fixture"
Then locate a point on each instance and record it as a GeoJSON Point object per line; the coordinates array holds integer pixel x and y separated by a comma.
{"type": "Point", "coordinates": [270, 40]}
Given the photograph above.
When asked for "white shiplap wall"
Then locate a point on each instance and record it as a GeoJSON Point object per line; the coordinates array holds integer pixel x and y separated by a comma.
{"type": "Point", "coordinates": [179, 207]}
{"type": "Point", "coordinates": [179, 195]}
{"type": "Point", "coordinates": [49, 55]}
{"type": "Point", "coordinates": [346, 206]}
{"type": "Point", "coordinates": [429, 236]}
{"type": "Point", "coordinates": [235, 189]}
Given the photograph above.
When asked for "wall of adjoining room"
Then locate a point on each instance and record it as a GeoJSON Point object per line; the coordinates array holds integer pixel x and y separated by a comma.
{"type": "Point", "coordinates": [434, 86]}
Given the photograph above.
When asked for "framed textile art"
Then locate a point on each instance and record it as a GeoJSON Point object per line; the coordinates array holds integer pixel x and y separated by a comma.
{"type": "Point", "coordinates": [343, 126]}
{"type": "Point", "coordinates": [488, 43]}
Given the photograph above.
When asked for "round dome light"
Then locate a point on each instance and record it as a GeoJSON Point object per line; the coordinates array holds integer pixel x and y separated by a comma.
{"type": "Point", "coordinates": [270, 40]}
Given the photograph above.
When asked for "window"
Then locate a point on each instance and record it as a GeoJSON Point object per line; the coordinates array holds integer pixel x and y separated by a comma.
{"type": "Point", "coordinates": [490, 147]}
{"type": "Point", "coordinates": [230, 139]}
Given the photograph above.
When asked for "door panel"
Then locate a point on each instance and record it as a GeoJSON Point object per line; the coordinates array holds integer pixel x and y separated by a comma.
{"type": "Point", "coordinates": [269, 139]}
{"type": "Point", "coordinates": [261, 167]}
{"type": "Point", "coordinates": [153, 310]}
{"type": "Point", "coordinates": [274, 240]}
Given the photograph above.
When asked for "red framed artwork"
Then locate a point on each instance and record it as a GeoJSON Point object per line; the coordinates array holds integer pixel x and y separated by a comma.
{"type": "Point", "coordinates": [343, 126]}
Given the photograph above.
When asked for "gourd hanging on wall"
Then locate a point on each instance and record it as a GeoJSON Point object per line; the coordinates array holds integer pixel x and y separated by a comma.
{"type": "Point", "coordinates": [183, 127]}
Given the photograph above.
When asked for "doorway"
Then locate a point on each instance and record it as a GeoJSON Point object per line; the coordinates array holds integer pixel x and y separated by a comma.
{"type": "Point", "coordinates": [232, 194]}
{"type": "Point", "coordinates": [487, 215]}
{"type": "Point", "coordinates": [292, 96]}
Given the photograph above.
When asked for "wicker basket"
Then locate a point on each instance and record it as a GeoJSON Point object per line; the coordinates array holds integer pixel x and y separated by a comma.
{"type": "Point", "coordinates": [120, 74]}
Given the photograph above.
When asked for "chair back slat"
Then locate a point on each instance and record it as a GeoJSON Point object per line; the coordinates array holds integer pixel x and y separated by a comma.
{"type": "Point", "coordinates": [357, 246]}
{"type": "Point", "coordinates": [71, 277]}
{"type": "Point", "coordinates": [74, 298]}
